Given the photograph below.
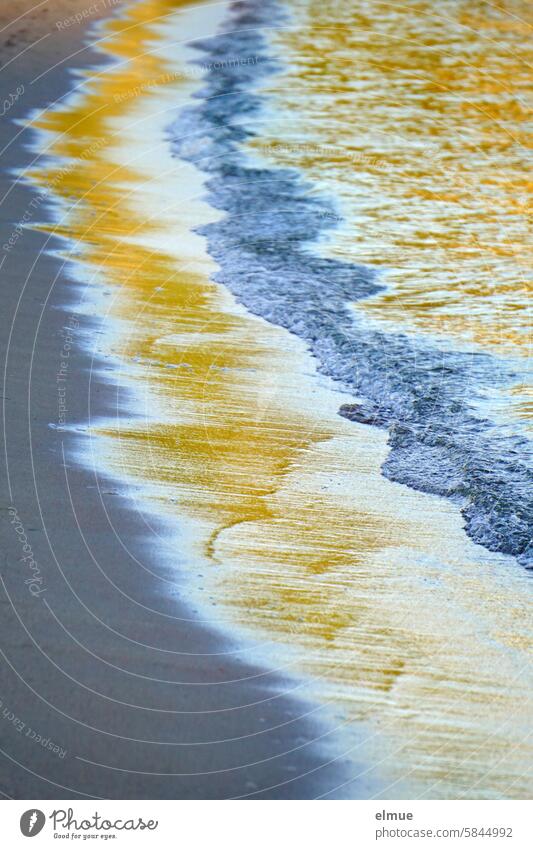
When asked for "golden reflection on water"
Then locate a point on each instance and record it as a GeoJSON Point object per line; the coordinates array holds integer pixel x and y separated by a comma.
{"type": "Point", "coordinates": [415, 116]}
{"type": "Point", "coordinates": [370, 590]}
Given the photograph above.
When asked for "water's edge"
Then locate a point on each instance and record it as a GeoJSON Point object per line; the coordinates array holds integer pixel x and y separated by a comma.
{"type": "Point", "coordinates": [417, 391]}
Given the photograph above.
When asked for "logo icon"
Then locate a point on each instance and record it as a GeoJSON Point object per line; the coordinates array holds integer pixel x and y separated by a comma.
{"type": "Point", "coordinates": [32, 822]}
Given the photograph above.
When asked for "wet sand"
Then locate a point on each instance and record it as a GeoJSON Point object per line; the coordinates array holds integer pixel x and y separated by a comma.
{"type": "Point", "coordinates": [407, 654]}
{"type": "Point", "coordinates": [101, 665]}
{"type": "Point", "coordinates": [412, 638]}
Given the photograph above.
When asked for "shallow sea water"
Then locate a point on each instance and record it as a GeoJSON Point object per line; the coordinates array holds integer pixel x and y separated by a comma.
{"type": "Point", "coordinates": [416, 118]}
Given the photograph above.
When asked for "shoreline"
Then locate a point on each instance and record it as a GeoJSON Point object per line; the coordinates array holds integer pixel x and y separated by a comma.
{"type": "Point", "coordinates": [325, 564]}
{"type": "Point", "coordinates": [423, 397]}
{"type": "Point", "coordinates": [49, 646]}
{"type": "Point", "coordinates": [278, 502]}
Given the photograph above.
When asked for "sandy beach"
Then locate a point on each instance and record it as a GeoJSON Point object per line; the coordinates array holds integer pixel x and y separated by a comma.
{"type": "Point", "coordinates": [215, 586]}
{"type": "Point", "coordinates": [99, 665]}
